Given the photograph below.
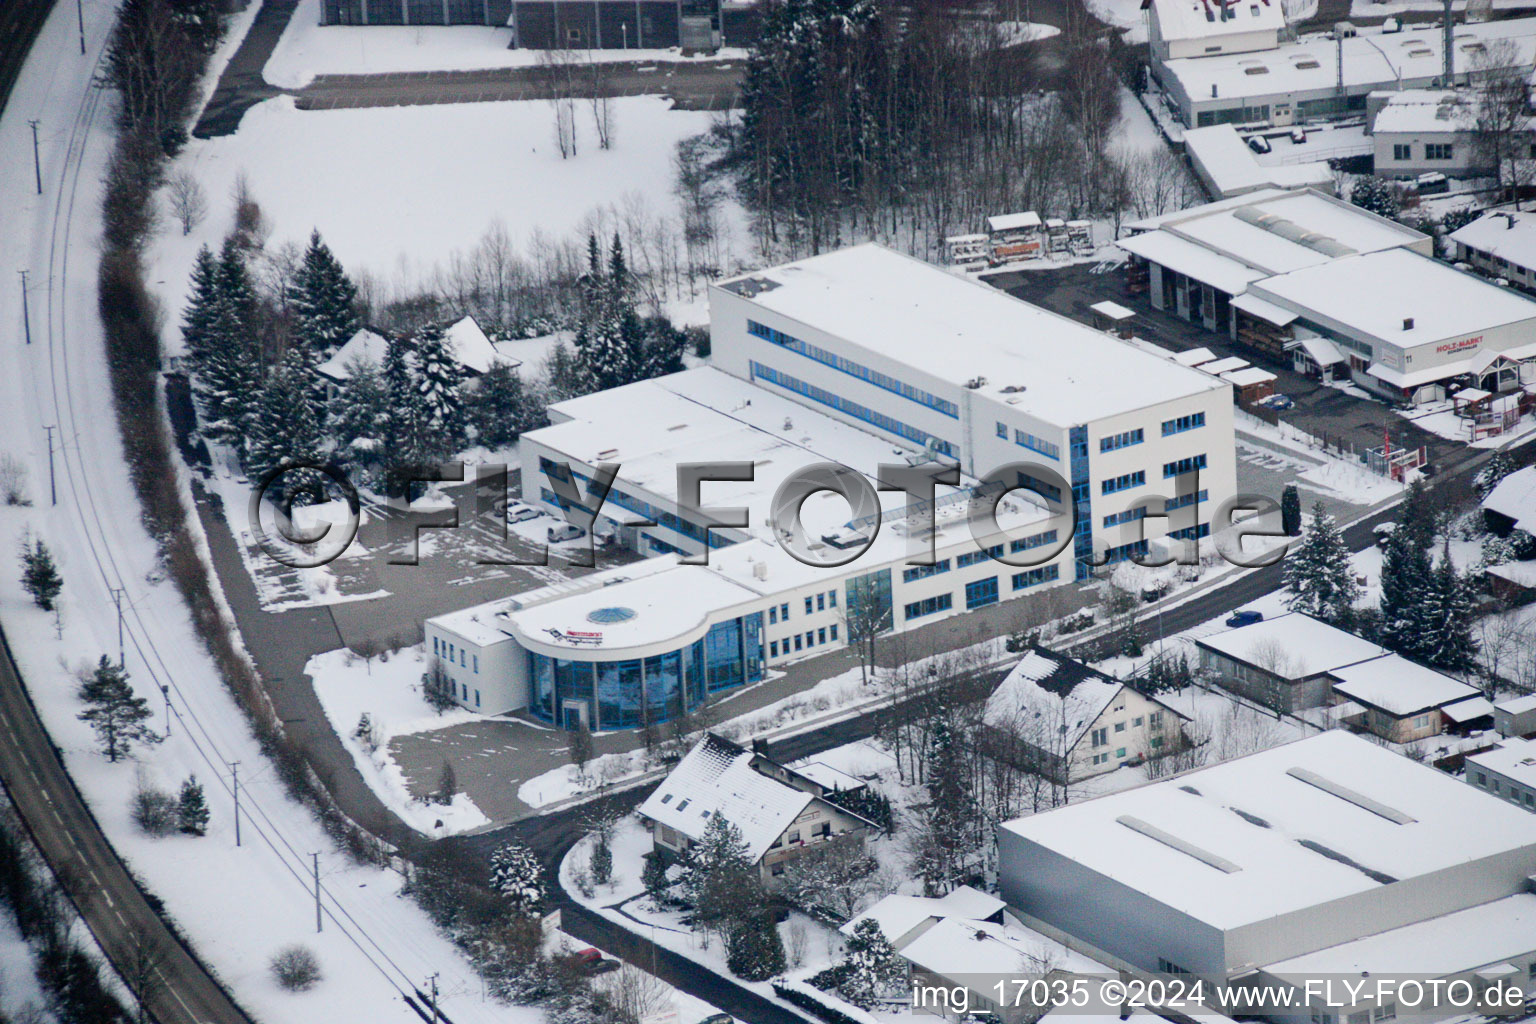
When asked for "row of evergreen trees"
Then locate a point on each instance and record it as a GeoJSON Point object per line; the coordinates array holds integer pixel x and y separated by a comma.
{"type": "Point", "coordinates": [1426, 608]}
{"type": "Point", "coordinates": [414, 408]}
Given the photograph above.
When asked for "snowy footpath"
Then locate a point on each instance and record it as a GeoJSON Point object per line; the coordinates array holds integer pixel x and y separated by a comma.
{"type": "Point", "coordinates": [237, 904]}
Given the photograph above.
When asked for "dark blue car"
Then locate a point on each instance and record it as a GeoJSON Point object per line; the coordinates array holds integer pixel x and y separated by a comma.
{"type": "Point", "coordinates": [1244, 618]}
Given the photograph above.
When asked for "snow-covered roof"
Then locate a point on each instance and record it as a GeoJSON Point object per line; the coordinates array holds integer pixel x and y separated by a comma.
{"type": "Point", "coordinates": [1374, 294]}
{"type": "Point", "coordinates": [1506, 234]}
{"type": "Point", "coordinates": [1277, 315]}
{"type": "Point", "coordinates": [897, 915]}
{"type": "Point", "coordinates": [1247, 377]}
{"type": "Point", "coordinates": [828, 777]}
{"type": "Point", "coordinates": [1232, 169]}
{"type": "Point", "coordinates": [1014, 221]}
{"type": "Point", "coordinates": [959, 331]}
{"type": "Point", "coordinates": [1515, 498]}
{"type": "Point", "coordinates": [1518, 705]}
{"type": "Point", "coordinates": [1421, 111]}
{"type": "Point", "coordinates": [1113, 310]}
{"type": "Point", "coordinates": [1322, 351]}
{"type": "Point", "coordinates": [467, 343]}
{"type": "Point", "coordinates": [1292, 646]}
{"type": "Point", "coordinates": [717, 777]}
{"type": "Point", "coordinates": [1370, 60]}
{"type": "Point", "coordinates": [1192, 260]}
{"type": "Point", "coordinates": [1397, 686]}
{"type": "Point", "coordinates": [1221, 366]}
{"type": "Point", "coordinates": [1367, 815]}
{"type": "Point", "coordinates": [1209, 19]}
{"type": "Point", "coordinates": [1514, 758]}
{"type": "Point", "coordinates": [1454, 944]}
{"type": "Point", "coordinates": [1468, 710]}
{"type": "Point", "coordinates": [1060, 693]}
{"type": "Point", "coordinates": [1194, 356]}
{"type": "Point", "coordinates": [366, 346]}
{"type": "Point", "coordinates": [957, 948]}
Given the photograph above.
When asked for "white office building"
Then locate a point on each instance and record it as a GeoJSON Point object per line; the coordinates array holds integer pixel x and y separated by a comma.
{"type": "Point", "coordinates": [856, 358]}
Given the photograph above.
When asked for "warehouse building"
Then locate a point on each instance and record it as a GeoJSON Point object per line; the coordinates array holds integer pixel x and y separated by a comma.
{"type": "Point", "coordinates": [695, 25]}
{"type": "Point", "coordinates": [1200, 28]}
{"type": "Point", "coordinates": [852, 359]}
{"type": "Point", "coordinates": [1298, 82]}
{"type": "Point", "coordinates": [1326, 856]}
{"type": "Point", "coordinates": [1272, 269]}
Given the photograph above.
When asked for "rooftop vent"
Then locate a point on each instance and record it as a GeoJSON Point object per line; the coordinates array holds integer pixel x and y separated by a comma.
{"type": "Point", "coordinates": [976, 382]}
{"type": "Point", "coordinates": [1407, 323]}
{"type": "Point", "coordinates": [1348, 795]}
{"type": "Point", "coordinates": [1014, 389]}
{"type": "Point", "coordinates": [1173, 842]}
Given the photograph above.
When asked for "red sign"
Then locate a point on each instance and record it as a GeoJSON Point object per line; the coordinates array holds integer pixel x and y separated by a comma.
{"type": "Point", "coordinates": [1459, 346]}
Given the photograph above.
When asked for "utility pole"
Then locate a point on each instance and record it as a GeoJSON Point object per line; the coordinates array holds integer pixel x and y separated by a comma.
{"type": "Point", "coordinates": [80, 17]}
{"type": "Point", "coordinates": [53, 489]}
{"type": "Point", "coordinates": [432, 981]}
{"type": "Point", "coordinates": [234, 767]}
{"type": "Point", "coordinates": [165, 691]}
{"type": "Point", "coordinates": [117, 599]}
{"type": "Point", "coordinates": [26, 317]}
{"type": "Point", "coordinates": [37, 163]}
{"type": "Point", "coordinates": [1448, 41]}
{"type": "Point", "coordinates": [317, 892]}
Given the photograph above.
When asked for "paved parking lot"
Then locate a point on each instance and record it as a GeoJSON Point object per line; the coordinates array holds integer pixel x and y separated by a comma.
{"type": "Point", "coordinates": [1320, 410]}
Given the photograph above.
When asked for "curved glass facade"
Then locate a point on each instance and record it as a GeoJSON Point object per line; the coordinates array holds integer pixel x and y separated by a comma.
{"type": "Point", "coordinates": [628, 694]}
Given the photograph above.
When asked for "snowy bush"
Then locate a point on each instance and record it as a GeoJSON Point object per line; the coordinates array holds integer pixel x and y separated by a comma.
{"type": "Point", "coordinates": [296, 968]}
{"type": "Point", "coordinates": [13, 481]}
{"type": "Point", "coordinates": [155, 811]}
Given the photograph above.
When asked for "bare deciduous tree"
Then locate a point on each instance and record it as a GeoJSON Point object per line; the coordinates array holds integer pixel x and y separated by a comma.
{"type": "Point", "coordinates": [189, 203]}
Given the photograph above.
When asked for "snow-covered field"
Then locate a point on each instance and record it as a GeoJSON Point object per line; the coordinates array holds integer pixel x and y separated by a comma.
{"type": "Point", "coordinates": [397, 191]}
{"type": "Point", "coordinates": [308, 48]}
{"type": "Point", "coordinates": [19, 990]}
{"type": "Point", "coordinates": [236, 905]}
{"type": "Point", "coordinates": [1125, 15]}
{"type": "Point", "coordinates": [389, 693]}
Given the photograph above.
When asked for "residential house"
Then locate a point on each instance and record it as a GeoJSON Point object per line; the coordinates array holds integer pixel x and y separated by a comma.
{"type": "Point", "coordinates": [1282, 662]}
{"type": "Point", "coordinates": [1402, 701]}
{"type": "Point", "coordinates": [470, 347]}
{"type": "Point", "coordinates": [1508, 771]}
{"type": "Point", "coordinates": [781, 813]}
{"type": "Point", "coordinates": [1516, 717]}
{"type": "Point", "coordinates": [1057, 716]}
{"type": "Point", "coordinates": [1416, 131]}
{"type": "Point", "coordinates": [1500, 245]}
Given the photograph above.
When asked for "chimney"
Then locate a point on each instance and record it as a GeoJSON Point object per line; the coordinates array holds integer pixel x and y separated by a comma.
{"type": "Point", "coordinates": [1509, 221]}
{"type": "Point", "coordinates": [1213, 90]}
{"type": "Point", "coordinates": [1407, 323]}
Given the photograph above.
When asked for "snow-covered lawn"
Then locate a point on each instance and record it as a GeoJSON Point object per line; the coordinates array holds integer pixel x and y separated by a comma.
{"type": "Point", "coordinates": [308, 48]}
{"type": "Point", "coordinates": [397, 191]}
{"type": "Point", "coordinates": [1125, 15]}
{"type": "Point", "coordinates": [18, 984]}
{"type": "Point", "coordinates": [389, 693]}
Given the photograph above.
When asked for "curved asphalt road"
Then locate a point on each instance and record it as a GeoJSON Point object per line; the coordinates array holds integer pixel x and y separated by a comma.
{"type": "Point", "coordinates": [116, 910]}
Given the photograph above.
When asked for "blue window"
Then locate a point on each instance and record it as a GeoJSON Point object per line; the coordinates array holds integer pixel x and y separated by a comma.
{"type": "Point", "coordinates": [928, 606]}
{"type": "Point", "coordinates": [773, 648]}
{"type": "Point", "coordinates": [1192, 532]}
{"type": "Point", "coordinates": [853, 369]}
{"type": "Point", "coordinates": [1183, 500]}
{"type": "Point", "coordinates": [784, 611]}
{"type": "Point", "coordinates": [435, 649]}
{"type": "Point", "coordinates": [810, 638]}
{"type": "Point", "coordinates": [1036, 444]}
{"type": "Point", "coordinates": [808, 605]}
{"type": "Point", "coordinates": [981, 593]}
{"type": "Point", "coordinates": [821, 635]}
{"type": "Point", "coordinates": [832, 598]}
{"type": "Point", "coordinates": [1124, 482]}
{"type": "Point", "coordinates": [1035, 577]}
{"type": "Point", "coordinates": [477, 664]}
{"type": "Point", "coordinates": [922, 572]}
{"type": "Point", "coordinates": [821, 602]}
{"type": "Point", "coordinates": [848, 408]}
{"type": "Point", "coordinates": [972, 557]}
{"type": "Point", "coordinates": [1130, 515]}
{"type": "Point", "coordinates": [1031, 483]}
{"type": "Point", "coordinates": [477, 698]}
{"type": "Point", "coordinates": [1035, 540]}
{"type": "Point", "coordinates": [1125, 551]}
{"type": "Point", "coordinates": [834, 632]}
{"type": "Point", "coordinates": [1002, 431]}
{"type": "Point", "coordinates": [1179, 424]}
{"type": "Point", "coordinates": [1123, 439]}
{"type": "Point", "coordinates": [797, 641]}
{"type": "Point", "coordinates": [1188, 465]}
{"type": "Point", "coordinates": [773, 616]}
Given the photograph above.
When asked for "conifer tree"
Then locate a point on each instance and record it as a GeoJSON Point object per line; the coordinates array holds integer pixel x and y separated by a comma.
{"type": "Point", "coordinates": [754, 950]}
{"type": "Point", "coordinates": [500, 408]}
{"type": "Point", "coordinates": [654, 877]}
{"type": "Point", "coordinates": [192, 808]}
{"type": "Point", "coordinates": [439, 378]}
{"type": "Point", "coordinates": [284, 426]}
{"type": "Point", "coordinates": [1448, 643]}
{"type": "Point", "coordinates": [870, 964]}
{"type": "Point", "coordinates": [201, 304]}
{"type": "Point", "coordinates": [1498, 467]}
{"type": "Point", "coordinates": [1405, 580]}
{"type": "Point", "coordinates": [39, 575]}
{"type": "Point", "coordinates": [119, 717]}
{"type": "Point", "coordinates": [359, 419]}
{"type": "Point", "coordinates": [516, 874]}
{"type": "Point", "coordinates": [227, 374]}
{"type": "Point", "coordinates": [1317, 571]}
{"type": "Point", "coordinates": [323, 299]}
{"type": "Point", "coordinates": [1417, 520]}
{"type": "Point", "coordinates": [1290, 511]}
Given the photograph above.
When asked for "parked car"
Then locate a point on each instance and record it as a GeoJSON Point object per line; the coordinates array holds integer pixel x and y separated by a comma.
{"type": "Point", "coordinates": [1431, 184]}
{"type": "Point", "coordinates": [563, 532]}
{"type": "Point", "coordinates": [588, 955]}
{"type": "Point", "coordinates": [1278, 402]}
{"type": "Point", "coordinates": [603, 967]}
{"type": "Point", "coordinates": [1154, 591]}
{"type": "Point", "coordinates": [517, 512]}
{"type": "Point", "coordinates": [1298, 135]}
{"type": "Point", "coordinates": [718, 1018]}
{"type": "Point", "coordinates": [1244, 618]}
{"type": "Point", "coordinates": [1258, 143]}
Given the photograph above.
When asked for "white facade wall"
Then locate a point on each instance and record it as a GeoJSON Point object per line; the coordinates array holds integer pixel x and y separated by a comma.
{"type": "Point", "coordinates": [489, 677]}
{"type": "Point", "coordinates": [1129, 731]}
{"type": "Point", "coordinates": [1394, 161]}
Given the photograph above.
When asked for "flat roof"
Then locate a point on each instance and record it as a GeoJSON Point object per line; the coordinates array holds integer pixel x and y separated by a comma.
{"type": "Point", "coordinates": [1451, 944]}
{"type": "Point", "coordinates": [1192, 260]}
{"type": "Point", "coordinates": [1370, 59]}
{"type": "Point", "coordinates": [1426, 110]}
{"type": "Point", "coordinates": [1293, 646]}
{"type": "Point", "coordinates": [1518, 705]}
{"type": "Point", "coordinates": [1514, 758]}
{"type": "Point", "coordinates": [1233, 168]}
{"type": "Point", "coordinates": [957, 331]}
{"type": "Point", "coordinates": [1398, 686]}
{"type": "Point", "coordinates": [1366, 815]}
{"type": "Point", "coordinates": [1374, 293]}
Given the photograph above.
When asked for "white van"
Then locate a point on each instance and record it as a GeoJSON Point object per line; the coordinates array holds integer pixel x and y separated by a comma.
{"type": "Point", "coordinates": [562, 532]}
